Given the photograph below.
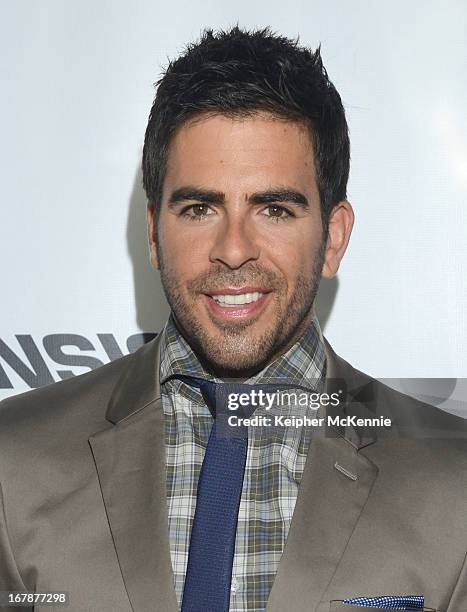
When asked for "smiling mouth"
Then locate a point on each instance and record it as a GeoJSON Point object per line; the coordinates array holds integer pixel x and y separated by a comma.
{"type": "Point", "coordinates": [230, 300]}
{"type": "Point", "coordinates": [230, 303]}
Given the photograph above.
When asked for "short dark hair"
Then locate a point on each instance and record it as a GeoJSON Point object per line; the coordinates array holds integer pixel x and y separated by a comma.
{"type": "Point", "coordinates": [237, 73]}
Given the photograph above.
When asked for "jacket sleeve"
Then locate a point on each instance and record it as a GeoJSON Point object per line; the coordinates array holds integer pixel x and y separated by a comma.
{"type": "Point", "coordinates": [10, 579]}
{"type": "Point", "coordinates": [458, 601]}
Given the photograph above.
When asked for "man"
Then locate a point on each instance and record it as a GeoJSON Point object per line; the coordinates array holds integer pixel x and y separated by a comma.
{"type": "Point", "coordinates": [113, 488]}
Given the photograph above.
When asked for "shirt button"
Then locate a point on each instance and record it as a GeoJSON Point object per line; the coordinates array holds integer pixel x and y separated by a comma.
{"type": "Point", "coordinates": [234, 585]}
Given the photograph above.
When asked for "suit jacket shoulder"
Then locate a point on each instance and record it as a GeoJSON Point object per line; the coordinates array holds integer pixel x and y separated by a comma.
{"type": "Point", "coordinates": [410, 417]}
{"type": "Point", "coordinates": [64, 410]}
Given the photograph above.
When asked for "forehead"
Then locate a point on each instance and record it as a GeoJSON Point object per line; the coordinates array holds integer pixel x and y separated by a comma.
{"type": "Point", "coordinates": [260, 148]}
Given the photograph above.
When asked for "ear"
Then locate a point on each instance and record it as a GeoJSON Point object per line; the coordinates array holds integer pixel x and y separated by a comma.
{"type": "Point", "coordinates": [152, 235]}
{"type": "Point", "coordinates": [341, 221]}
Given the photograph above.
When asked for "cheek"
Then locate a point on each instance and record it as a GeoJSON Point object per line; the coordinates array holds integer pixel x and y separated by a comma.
{"type": "Point", "coordinates": [183, 251]}
{"type": "Point", "coordinates": [293, 252]}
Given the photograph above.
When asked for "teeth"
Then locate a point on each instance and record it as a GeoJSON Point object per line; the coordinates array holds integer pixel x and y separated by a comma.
{"type": "Point", "coordinates": [234, 300]}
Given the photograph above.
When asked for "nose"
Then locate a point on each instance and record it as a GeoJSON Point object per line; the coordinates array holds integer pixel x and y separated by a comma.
{"type": "Point", "coordinates": [235, 243]}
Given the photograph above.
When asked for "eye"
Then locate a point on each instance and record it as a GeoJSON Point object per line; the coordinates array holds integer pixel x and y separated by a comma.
{"type": "Point", "coordinates": [277, 213]}
{"type": "Point", "coordinates": [196, 212]}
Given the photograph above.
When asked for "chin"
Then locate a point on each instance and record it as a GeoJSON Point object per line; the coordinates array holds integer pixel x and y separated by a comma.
{"type": "Point", "coordinates": [239, 354]}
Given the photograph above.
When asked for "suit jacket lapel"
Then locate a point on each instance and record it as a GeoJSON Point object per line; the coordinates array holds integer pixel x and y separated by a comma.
{"type": "Point", "coordinates": [335, 486]}
{"type": "Point", "coordinates": [130, 460]}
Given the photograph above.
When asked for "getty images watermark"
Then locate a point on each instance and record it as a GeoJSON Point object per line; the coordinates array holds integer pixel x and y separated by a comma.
{"type": "Point", "coordinates": [332, 407]}
{"type": "Point", "coordinates": [284, 408]}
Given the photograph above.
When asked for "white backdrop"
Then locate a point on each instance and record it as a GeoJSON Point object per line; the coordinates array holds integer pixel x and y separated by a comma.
{"type": "Point", "coordinates": [75, 95]}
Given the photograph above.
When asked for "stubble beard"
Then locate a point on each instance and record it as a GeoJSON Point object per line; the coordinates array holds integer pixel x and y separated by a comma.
{"type": "Point", "coordinates": [235, 352]}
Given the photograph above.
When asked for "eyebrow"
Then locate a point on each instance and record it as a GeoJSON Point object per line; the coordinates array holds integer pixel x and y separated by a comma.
{"type": "Point", "coordinates": [204, 196]}
{"type": "Point", "coordinates": [269, 196]}
{"type": "Point", "coordinates": [280, 195]}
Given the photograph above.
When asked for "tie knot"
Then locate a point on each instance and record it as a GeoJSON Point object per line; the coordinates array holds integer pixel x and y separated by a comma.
{"type": "Point", "coordinates": [226, 397]}
{"type": "Point", "coordinates": [232, 404]}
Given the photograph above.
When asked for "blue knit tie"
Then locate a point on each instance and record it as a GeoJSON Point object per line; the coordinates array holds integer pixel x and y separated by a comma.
{"type": "Point", "coordinates": [212, 544]}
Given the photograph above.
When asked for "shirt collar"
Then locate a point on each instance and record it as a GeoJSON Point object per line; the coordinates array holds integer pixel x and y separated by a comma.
{"type": "Point", "coordinates": [303, 364]}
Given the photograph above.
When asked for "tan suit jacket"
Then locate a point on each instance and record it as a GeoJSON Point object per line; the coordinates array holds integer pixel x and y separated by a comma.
{"type": "Point", "coordinates": [83, 499]}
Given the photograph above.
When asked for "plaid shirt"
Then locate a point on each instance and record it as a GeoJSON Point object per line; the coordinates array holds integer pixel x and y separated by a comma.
{"type": "Point", "coordinates": [273, 471]}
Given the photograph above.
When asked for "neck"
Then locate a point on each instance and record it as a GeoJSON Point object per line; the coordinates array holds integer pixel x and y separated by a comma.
{"type": "Point", "coordinates": [240, 375]}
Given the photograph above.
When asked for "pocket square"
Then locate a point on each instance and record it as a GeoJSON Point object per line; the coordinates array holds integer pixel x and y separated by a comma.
{"type": "Point", "coordinates": [389, 602]}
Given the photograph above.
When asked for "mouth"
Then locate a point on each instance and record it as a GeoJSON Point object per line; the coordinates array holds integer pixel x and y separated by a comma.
{"type": "Point", "coordinates": [237, 303]}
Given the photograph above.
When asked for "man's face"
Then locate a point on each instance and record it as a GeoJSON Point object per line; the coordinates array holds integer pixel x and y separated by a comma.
{"type": "Point", "coordinates": [239, 239]}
